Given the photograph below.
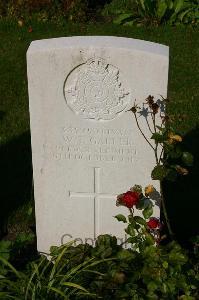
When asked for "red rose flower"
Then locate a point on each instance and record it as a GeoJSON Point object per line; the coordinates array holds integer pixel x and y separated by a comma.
{"type": "Point", "coordinates": [130, 199]}
{"type": "Point", "coordinates": [153, 223]}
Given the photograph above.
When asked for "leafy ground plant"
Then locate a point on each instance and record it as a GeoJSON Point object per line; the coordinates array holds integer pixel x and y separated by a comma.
{"type": "Point", "coordinates": [143, 270]}
{"type": "Point", "coordinates": [155, 12]}
{"type": "Point", "coordinates": [54, 278]}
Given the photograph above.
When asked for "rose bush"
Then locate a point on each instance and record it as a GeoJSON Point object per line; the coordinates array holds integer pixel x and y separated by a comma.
{"type": "Point", "coordinates": [170, 159]}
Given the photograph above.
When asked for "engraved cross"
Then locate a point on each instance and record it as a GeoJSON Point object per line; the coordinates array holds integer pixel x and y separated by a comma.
{"type": "Point", "coordinates": [96, 195]}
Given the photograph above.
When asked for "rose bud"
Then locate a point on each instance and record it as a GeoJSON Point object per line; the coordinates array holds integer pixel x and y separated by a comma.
{"type": "Point", "coordinates": [153, 223]}
{"type": "Point", "coordinates": [134, 109]}
{"type": "Point", "coordinates": [150, 100]}
{"type": "Point", "coordinates": [149, 189]}
{"type": "Point", "coordinates": [136, 188]}
{"type": "Point", "coordinates": [155, 108]}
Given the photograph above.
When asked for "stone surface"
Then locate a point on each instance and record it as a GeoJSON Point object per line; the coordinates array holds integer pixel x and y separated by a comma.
{"type": "Point", "coordinates": [86, 147]}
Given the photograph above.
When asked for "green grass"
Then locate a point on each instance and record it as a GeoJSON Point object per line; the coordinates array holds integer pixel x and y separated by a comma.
{"type": "Point", "coordinates": [14, 130]}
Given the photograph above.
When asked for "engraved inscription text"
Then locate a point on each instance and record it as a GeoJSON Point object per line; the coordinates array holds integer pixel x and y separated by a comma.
{"type": "Point", "coordinates": [93, 144]}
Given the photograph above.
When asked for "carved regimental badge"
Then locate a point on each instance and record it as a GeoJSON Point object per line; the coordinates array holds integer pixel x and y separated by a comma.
{"type": "Point", "coordinates": [94, 90]}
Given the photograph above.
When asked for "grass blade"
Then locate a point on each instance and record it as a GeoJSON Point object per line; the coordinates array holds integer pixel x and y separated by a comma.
{"type": "Point", "coordinates": [75, 285]}
{"type": "Point", "coordinates": [6, 263]}
{"type": "Point", "coordinates": [94, 272]}
{"type": "Point", "coordinates": [32, 276]}
{"type": "Point", "coordinates": [57, 291]}
{"type": "Point", "coordinates": [52, 274]}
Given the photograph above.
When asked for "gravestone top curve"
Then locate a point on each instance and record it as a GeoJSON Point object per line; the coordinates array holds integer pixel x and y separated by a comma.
{"type": "Point", "coordinates": [98, 41]}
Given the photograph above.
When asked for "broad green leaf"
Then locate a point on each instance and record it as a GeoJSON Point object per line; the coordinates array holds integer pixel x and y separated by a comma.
{"type": "Point", "coordinates": [150, 239]}
{"type": "Point", "coordinates": [122, 18]}
{"type": "Point", "coordinates": [124, 254]}
{"type": "Point", "coordinates": [165, 264]}
{"type": "Point", "coordinates": [178, 5]}
{"type": "Point", "coordinates": [142, 3]}
{"type": "Point", "coordinates": [106, 240]}
{"type": "Point", "coordinates": [137, 226]}
{"type": "Point", "coordinates": [130, 217]}
{"type": "Point", "coordinates": [165, 289]}
{"type": "Point", "coordinates": [170, 4]}
{"type": "Point", "coordinates": [5, 247]}
{"type": "Point", "coordinates": [24, 237]}
{"type": "Point", "coordinates": [152, 286]}
{"type": "Point", "coordinates": [183, 14]}
{"type": "Point", "coordinates": [132, 240]}
{"type": "Point", "coordinates": [159, 173]}
{"type": "Point", "coordinates": [161, 8]}
{"type": "Point", "coordinates": [121, 218]}
{"type": "Point", "coordinates": [187, 158]}
{"type": "Point", "coordinates": [130, 230]}
{"type": "Point", "coordinates": [140, 220]}
{"type": "Point", "coordinates": [107, 252]}
{"type": "Point", "coordinates": [147, 212]}
{"type": "Point", "coordinates": [129, 23]}
{"type": "Point", "coordinates": [29, 212]}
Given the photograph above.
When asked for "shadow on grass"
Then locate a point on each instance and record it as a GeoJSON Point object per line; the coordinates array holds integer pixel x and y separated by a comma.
{"type": "Point", "coordinates": [16, 176]}
{"type": "Point", "coordinates": [182, 196]}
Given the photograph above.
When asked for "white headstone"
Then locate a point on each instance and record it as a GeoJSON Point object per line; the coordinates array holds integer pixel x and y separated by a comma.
{"type": "Point", "coordinates": [86, 147]}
